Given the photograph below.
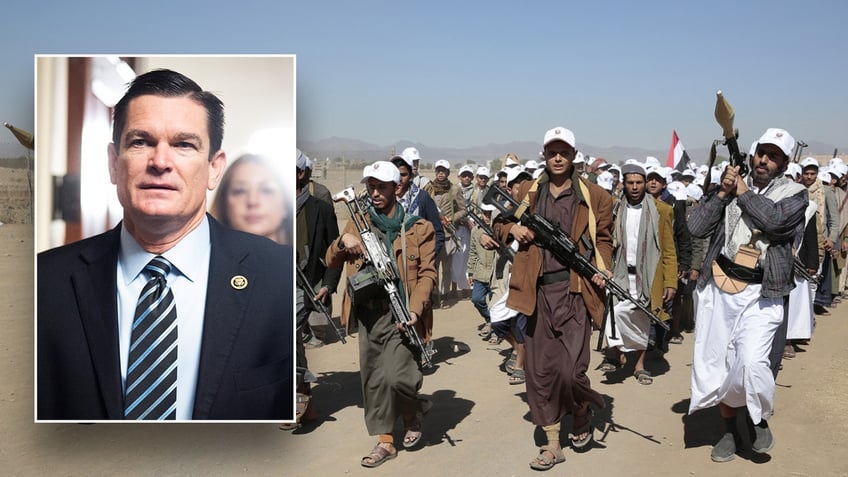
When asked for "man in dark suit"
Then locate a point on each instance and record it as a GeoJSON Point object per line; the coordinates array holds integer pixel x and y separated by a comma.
{"type": "Point", "coordinates": [225, 357]}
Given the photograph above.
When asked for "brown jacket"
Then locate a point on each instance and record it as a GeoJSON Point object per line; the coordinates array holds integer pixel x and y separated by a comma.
{"type": "Point", "coordinates": [419, 264]}
{"type": "Point", "coordinates": [527, 267]}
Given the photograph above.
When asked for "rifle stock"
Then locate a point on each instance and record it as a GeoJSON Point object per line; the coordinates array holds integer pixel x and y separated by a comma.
{"type": "Point", "coordinates": [551, 238]}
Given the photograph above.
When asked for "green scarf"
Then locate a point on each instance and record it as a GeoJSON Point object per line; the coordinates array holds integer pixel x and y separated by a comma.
{"type": "Point", "coordinates": [391, 226]}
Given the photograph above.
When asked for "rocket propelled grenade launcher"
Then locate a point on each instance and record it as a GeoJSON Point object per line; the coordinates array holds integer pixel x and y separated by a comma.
{"type": "Point", "coordinates": [725, 115]}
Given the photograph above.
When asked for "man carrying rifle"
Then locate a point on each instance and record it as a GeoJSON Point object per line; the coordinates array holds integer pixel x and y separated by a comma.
{"type": "Point", "coordinates": [559, 304]}
{"type": "Point", "coordinates": [747, 275]}
{"type": "Point", "coordinates": [448, 198]}
{"type": "Point", "coordinates": [316, 227]}
{"type": "Point", "coordinates": [645, 264]}
{"type": "Point", "coordinates": [388, 362]}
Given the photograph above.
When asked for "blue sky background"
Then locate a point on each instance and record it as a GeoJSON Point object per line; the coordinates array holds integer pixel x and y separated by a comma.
{"type": "Point", "coordinates": [455, 74]}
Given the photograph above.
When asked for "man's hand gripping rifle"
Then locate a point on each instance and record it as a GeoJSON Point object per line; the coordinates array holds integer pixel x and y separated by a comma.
{"type": "Point", "coordinates": [551, 238]}
{"type": "Point", "coordinates": [303, 283]}
{"type": "Point", "coordinates": [386, 271]}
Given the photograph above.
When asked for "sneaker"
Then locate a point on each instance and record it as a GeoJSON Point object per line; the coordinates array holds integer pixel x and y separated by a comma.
{"type": "Point", "coordinates": [313, 343]}
{"type": "Point", "coordinates": [763, 441]}
{"type": "Point", "coordinates": [725, 449]}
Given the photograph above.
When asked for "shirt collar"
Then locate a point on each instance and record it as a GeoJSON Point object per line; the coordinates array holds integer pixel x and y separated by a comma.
{"type": "Point", "coordinates": [186, 256]}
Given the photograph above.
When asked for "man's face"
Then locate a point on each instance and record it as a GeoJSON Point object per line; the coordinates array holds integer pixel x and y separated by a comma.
{"type": "Point", "coordinates": [162, 167]}
{"type": "Point", "coordinates": [415, 167]}
{"type": "Point", "coordinates": [768, 162]}
{"type": "Point", "coordinates": [442, 174]}
{"type": "Point", "coordinates": [482, 181]}
{"type": "Point", "coordinates": [382, 194]}
{"type": "Point", "coordinates": [558, 157]}
{"type": "Point", "coordinates": [634, 187]}
{"type": "Point", "coordinates": [405, 179]}
{"type": "Point", "coordinates": [502, 182]}
{"type": "Point", "coordinates": [809, 175]}
{"type": "Point", "coordinates": [655, 185]}
{"type": "Point", "coordinates": [465, 179]}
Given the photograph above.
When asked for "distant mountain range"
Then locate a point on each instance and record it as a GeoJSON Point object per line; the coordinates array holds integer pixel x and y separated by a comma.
{"type": "Point", "coordinates": [356, 150]}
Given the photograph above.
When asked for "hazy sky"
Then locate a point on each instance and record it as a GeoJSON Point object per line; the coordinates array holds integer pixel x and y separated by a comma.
{"type": "Point", "coordinates": [471, 73]}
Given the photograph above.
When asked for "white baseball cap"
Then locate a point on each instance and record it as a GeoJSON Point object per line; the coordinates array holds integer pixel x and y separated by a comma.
{"type": "Point", "coordinates": [677, 189]}
{"type": "Point", "coordinates": [824, 175]}
{"type": "Point", "coordinates": [605, 180]}
{"type": "Point", "coordinates": [579, 158]}
{"type": "Point", "coordinates": [835, 161]}
{"type": "Point", "coordinates": [487, 207]}
{"type": "Point", "coordinates": [809, 162]}
{"type": "Point", "coordinates": [410, 154]}
{"type": "Point", "coordinates": [793, 170]}
{"type": "Point", "coordinates": [560, 134]}
{"type": "Point", "coordinates": [651, 161]}
{"type": "Point", "coordinates": [383, 171]}
{"type": "Point", "coordinates": [510, 160]}
{"type": "Point", "coordinates": [442, 163]}
{"type": "Point", "coordinates": [514, 172]}
{"type": "Point", "coordinates": [466, 168]}
{"type": "Point", "coordinates": [302, 161]}
{"type": "Point", "coordinates": [780, 138]}
{"type": "Point", "coordinates": [531, 164]}
{"type": "Point", "coordinates": [483, 171]}
{"type": "Point", "coordinates": [695, 191]}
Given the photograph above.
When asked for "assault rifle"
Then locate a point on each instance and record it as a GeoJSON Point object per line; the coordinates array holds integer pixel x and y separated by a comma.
{"type": "Point", "coordinates": [502, 249]}
{"type": "Point", "coordinates": [551, 238]}
{"type": "Point", "coordinates": [385, 269]}
{"type": "Point", "coordinates": [303, 283]}
{"type": "Point", "coordinates": [724, 115]}
{"type": "Point", "coordinates": [801, 270]}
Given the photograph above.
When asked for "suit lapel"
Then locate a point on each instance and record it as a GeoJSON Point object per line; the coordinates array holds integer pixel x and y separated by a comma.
{"type": "Point", "coordinates": [97, 300]}
{"type": "Point", "coordinates": [225, 308]}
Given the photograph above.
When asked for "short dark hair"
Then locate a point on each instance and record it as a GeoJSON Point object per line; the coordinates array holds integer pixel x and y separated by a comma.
{"type": "Point", "coordinates": [169, 84]}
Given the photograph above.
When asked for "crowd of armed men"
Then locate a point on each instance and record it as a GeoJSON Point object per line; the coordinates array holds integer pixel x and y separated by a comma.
{"type": "Point", "coordinates": [549, 250]}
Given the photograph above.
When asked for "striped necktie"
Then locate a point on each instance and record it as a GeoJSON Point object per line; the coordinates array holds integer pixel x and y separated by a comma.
{"type": "Point", "coordinates": [151, 384]}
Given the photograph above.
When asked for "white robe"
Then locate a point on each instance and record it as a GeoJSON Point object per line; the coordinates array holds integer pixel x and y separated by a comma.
{"type": "Point", "coordinates": [632, 325]}
{"type": "Point", "coordinates": [799, 325]}
{"type": "Point", "coordinates": [733, 339]}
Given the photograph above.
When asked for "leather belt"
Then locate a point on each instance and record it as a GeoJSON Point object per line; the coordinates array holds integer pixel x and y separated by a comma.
{"type": "Point", "coordinates": [553, 277]}
{"type": "Point", "coordinates": [739, 272]}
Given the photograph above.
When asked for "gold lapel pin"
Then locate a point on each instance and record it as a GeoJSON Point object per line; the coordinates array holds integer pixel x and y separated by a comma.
{"type": "Point", "coordinates": [238, 282]}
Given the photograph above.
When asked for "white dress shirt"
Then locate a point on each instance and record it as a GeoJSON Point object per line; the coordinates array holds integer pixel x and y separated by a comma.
{"type": "Point", "coordinates": [188, 278]}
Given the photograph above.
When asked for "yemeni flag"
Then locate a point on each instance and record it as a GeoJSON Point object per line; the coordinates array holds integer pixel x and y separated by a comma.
{"type": "Point", "coordinates": [677, 157]}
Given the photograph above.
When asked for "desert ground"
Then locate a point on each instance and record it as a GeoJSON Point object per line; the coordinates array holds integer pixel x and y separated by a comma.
{"type": "Point", "coordinates": [479, 424]}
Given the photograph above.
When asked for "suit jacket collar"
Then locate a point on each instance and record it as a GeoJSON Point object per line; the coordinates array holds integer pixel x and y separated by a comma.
{"type": "Point", "coordinates": [95, 286]}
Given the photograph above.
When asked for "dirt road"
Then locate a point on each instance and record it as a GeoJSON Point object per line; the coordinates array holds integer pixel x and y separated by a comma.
{"type": "Point", "coordinates": [478, 425]}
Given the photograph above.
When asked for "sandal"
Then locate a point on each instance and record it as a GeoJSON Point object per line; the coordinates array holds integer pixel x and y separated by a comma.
{"type": "Point", "coordinates": [495, 339]}
{"type": "Point", "coordinates": [676, 339]}
{"type": "Point", "coordinates": [518, 376]}
{"type": "Point", "coordinates": [413, 432]}
{"type": "Point", "coordinates": [582, 425]}
{"type": "Point", "coordinates": [301, 405]}
{"type": "Point", "coordinates": [643, 377]}
{"type": "Point", "coordinates": [788, 351]}
{"type": "Point", "coordinates": [543, 462]}
{"type": "Point", "coordinates": [485, 331]}
{"type": "Point", "coordinates": [509, 366]}
{"type": "Point", "coordinates": [377, 456]}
